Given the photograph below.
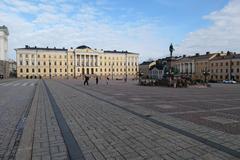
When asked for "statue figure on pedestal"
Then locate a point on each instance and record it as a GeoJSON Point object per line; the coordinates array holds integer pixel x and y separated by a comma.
{"type": "Point", "coordinates": [171, 49]}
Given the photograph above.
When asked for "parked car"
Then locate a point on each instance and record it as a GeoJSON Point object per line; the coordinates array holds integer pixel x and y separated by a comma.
{"type": "Point", "coordinates": [229, 82]}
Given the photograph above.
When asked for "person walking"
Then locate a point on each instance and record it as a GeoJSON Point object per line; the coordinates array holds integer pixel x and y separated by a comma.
{"type": "Point", "coordinates": [97, 80]}
{"type": "Point", "coordinates": [86, 80]}
{"type": "Point", "coordinates": [107, 80]}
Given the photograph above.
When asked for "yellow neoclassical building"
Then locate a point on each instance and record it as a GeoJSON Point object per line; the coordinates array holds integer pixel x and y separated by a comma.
{"type": "Point", "coordinates": [35, 62]}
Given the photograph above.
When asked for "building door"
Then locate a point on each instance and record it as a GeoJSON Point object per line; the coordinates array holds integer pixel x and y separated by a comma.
{"type": "Point", "coordinates": [83, 71]}
{"type": "Point", "coordinates": [87, 70]}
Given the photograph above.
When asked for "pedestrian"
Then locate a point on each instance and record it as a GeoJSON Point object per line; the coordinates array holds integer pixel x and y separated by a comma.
{"type": "Point", "coordinates": [97, 80]}
{"type": "Point", "coordinates": [86, 80]}
{"type": "Point", "coordinates": [107, 80]}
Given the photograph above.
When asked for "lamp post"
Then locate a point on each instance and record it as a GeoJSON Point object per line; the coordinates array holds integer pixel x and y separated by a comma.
{"type": "Point", "coordinates": [126, 67]}
{"type": "Point", "coordinates": [112, 69]}
{"type": "Point", "coordinates": [206, 73]}
{"type": "Point", "coordinates": [50, 76]}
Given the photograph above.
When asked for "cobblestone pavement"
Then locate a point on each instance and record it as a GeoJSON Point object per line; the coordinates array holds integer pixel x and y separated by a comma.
{"type": "Point", "coordinates": [216, 107]}
{"type": "Point", "coordinates": [104, 131]}
{"type": "Point", "coordinates": [13, 103]}
{"type": "Point", "coordinates": [123, 121]}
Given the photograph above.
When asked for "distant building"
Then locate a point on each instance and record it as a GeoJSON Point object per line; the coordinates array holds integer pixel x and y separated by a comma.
{"type": "Point", "coordinates": [186, 66]}
{"type": "Point", "coordinates": [202, 65]}
{"type": "Point", "coordinates": [3, 43]}
{"type": "Point", "coordinates": [157, 71]}
{"type": "Point", "coordinates": [144, 68]}
{"type": "Point", "coordinates": [225, 67]}
{"type": "Point", "coordinates": [4, 69]}
{"type": "Point", "coordinates": [62, 63]}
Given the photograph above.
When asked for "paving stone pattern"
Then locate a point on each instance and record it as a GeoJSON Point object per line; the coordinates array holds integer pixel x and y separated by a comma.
{"type": "Point", "coordinates": [47, 142]}
{"type": "Point", "coordinates": [10, 114]}
{"type": "Point", "coordinates": [106, 132]}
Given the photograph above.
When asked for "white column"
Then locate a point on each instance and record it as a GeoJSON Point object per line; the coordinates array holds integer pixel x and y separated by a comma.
{"type": "Point", "coordinates": [80, 60]}
{"type": "Point", "coordinates": [85, 60]}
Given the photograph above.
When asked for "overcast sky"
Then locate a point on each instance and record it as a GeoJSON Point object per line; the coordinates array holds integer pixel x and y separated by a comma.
{"type": "Point", "coordinates": [143, 26]}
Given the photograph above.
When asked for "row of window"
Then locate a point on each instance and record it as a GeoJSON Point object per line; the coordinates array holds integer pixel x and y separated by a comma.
{"type": "Point", "coordinates": [221, 63]}
{"type": "Point", "coordinates": [78, 64]}
{"type": "Point", "coordinates": [118, 64]}
{"type": "Point", "coordinates": [65, 56]}
{"type": "Point", "coordinates": [43, 63]}
{"type": "Point", "coordinates": [118, 58]}
{"type": "Point", "coordinates": [44, 70]}
{"type": "Point", "coordinates": [60, 70]}
{"type": "Point", "coordinates": [226, 71]}
{"type": "Point", "coordinates": [43, 56]}
{"type": "Point", "coordinates": [221, 77]}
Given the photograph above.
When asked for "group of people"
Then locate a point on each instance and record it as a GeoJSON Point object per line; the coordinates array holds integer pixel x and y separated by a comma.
{"type": "Point", "coordinates": [86, 79]}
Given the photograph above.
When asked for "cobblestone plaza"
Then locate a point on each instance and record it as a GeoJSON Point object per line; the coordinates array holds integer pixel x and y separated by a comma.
{"type": "Point", "coordinates": [63, 119]}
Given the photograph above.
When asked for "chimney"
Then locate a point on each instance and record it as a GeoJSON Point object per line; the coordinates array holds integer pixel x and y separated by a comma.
{"type": "Point", "coordinates": [197, 54]}
{"type": "Point", "coordinates": [184, 56]}
{"type": "Point", "coordinates": [207, 53]}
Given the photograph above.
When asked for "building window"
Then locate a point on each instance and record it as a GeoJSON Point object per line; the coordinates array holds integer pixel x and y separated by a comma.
{"type": "Point", "coordinates": [21, 70]}
{"type": "Point", "coordinates": [44, 56]}
{"type": "Point", "coordinates": [92, 71]}
{"type": "Point", "coordinates": [27, 70]}
{"type": "Point", "coordinates": [26, 62]}
{"type": "Point", "coordinates": [60, 70]}
{"type": "Point", "coordinates": [26, 55]}
{"type": "Point", "coordinates": [33, 70]}
{"type": "Point", "coordinates": [33, 63]}
{"type": "Point", "coordinates": [71, 70]}
{"type": "Point", "coordinates": [21, 63]}
{"type": "Point", "coordinates": [20, 55]}
{"type": "Point", "coordinates": [55, 63]}
{"type": "Point", "coordinates": [55, 70]}
{"type": "Point", "coordinates": [44, 63]}
{"type": "Point", "coordinates": [237, 63]}
{"type": "Point", "coordinates": [226, 70]}
{"type": "Point", "coordinates": [38, 56]}
{"type": "Point", "coordinates": [226, 63]}
{"type": "Point", "coordinates": [38, 63]}
{"type": "Point", "coordinates": [44, 70]}
{"type": "Point", "coordinates": [32, 55]}
{"type": "Point", "coordinates": [65, 70]}
{"type": "Point", "coordinates": [60, 63]}
{"type": "Point", "coordinates": [39, 70]}
{"type": "Point", "coordinates": [237, 70]}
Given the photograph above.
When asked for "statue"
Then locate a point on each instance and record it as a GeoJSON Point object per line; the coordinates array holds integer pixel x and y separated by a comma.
{"type": "Point", "coordinates": [171, 49]}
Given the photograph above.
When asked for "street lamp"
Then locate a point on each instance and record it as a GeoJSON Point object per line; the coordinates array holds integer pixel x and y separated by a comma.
{"type": "Point", "coordinates": [206, 73]}
{"type": "Point", "coordinates": [126, 67]}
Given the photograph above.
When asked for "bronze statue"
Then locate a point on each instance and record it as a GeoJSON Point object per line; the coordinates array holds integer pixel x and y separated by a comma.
{"type": "Point", "coordinates": [171, 49]}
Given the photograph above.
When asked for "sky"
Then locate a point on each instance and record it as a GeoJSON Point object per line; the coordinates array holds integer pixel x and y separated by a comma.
{"type": "Point", "coordinates": [147, 27]}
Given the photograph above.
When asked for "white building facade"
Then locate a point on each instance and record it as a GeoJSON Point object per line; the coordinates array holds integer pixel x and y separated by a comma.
{"type": "Point", "coordinates": [4, 43]}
